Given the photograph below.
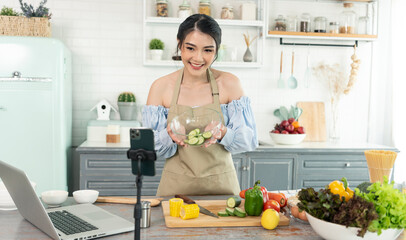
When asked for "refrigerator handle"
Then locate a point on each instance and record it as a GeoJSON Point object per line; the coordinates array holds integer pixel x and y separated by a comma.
{"type": "Point", "coordinates": [17, 78]}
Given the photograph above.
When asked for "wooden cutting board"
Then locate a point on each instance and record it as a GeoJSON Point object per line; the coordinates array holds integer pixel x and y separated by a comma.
{"type": "Point", "coordinates": [215, 206]}
{"type": "Point", "coordinates": [313, 120]}
{"type": "Point", "coordinates": [127, 200]}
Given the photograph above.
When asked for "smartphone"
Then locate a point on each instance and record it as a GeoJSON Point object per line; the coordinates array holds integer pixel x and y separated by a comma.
{"type": "Point", "coordinates": [143, 138]}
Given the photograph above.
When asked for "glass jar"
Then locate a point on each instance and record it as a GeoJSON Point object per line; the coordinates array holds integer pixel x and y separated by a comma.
{"type": "Point", "coordinates": [227, 12]}
{"type": "Point", "coordinates": [348, 19]}
{"type": "Point", "coordinates": [184, 10]}
{"type": "Point", "coordinates": [334, 27]}
{"type": "Point", "coordinates": [280, 23]}
{"type": "Point", "coordinates": [305, 22]}
{"type": "Point", "coordinates": [204, 7]}
{"type": "Point", "coordinates": [363, 25]}
{"type": "Point", "coordinates": [161, 8]}
{"type": "Point", "coordinates": [320, 24]}
{"type": "Point", "coordinates": [291, 25]}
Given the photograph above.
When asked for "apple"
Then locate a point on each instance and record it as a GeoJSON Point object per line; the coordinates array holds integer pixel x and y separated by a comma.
{"type": "Point", "coordinates": [290, 128]}
{"type": "Point", "coordinates": [291, 120]}
{"type": "Point", "coordinates": [294, 132]}
{"type": "Point", "coordinates": [301, 130]}
{"type": "Point", "coordinates": [285, 132]}
{"type": "Point", "coordinates": [284, 123]}
{"type": "Point", "coordinates": [275, 131]}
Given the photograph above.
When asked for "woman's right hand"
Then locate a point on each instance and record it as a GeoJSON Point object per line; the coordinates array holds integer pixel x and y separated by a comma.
{"type": "Point", "coordinates": [177, 138]}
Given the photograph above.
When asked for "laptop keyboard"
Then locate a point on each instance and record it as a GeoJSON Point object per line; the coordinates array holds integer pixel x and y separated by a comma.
{"type": "Point", "coordinates": [69, 224]}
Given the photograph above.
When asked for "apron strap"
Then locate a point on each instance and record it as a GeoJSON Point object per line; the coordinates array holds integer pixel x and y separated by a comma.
{"type": "Point", "coordinates": [214, 88]}
{"type": "Point", "coordinates": [177, 89]}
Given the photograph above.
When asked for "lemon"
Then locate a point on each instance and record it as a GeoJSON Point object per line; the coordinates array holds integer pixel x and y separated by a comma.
{"type": "Point", "coordinates": [270, 219]}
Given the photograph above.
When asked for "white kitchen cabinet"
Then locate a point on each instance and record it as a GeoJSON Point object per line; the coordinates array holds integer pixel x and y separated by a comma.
{"type": "Point", "coordinates": [165, 28]}
{"type": "Point", "coordinates": [331, 9]}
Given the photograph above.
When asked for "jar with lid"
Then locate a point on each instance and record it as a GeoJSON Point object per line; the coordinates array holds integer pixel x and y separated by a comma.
{"type": "Point", "coordinates": [227, 12]}
{"type": "Point", "coordinates": [305, 22]}
{"type": "Point", "coordinates": [348, 19]}
{"type": "Point", "coordinates": [280, 23]}
{"type": "Point", "coordinates": [291, 25]}
{"type": "Point", "coordinates": [161, 8]}
{"type": "Point", "coordinates": [334, 27]}
{"type": "Point", "coordinates": [320, 24]}
{"type": "Point", "coordinates": [184, 10]}
{"type": "Point", "coordinates": [204, 7]}
{"type": "Point", "coordinates": [363, 25]}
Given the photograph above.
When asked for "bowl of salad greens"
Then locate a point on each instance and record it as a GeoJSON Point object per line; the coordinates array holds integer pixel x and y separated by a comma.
{"type": "Point", "coordinates": [375, 211]}
{"type": "Point", "coordinates": [196, 127]}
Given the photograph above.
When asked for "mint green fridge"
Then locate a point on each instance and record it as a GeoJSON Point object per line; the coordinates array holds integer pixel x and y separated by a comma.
{"type": "Point", "coordinates": [36, 108]}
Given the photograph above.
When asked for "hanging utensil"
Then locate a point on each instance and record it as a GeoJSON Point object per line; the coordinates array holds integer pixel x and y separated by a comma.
{"type": "Point", "coordinates": [308, 73]}
{"type": "Point", "coordinates": [292, 82]}
{"type": "Point", "coordinates": [277, 113]}
{"type": "Point", "coordinates": [281, 83]}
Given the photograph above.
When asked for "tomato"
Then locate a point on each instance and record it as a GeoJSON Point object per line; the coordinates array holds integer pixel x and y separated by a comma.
{"type": "Point", "coordinates": [279, 197]}
{"type": "Point", "coordinates": [272, 204]}
{"type": "Point", "coordinates": [242, 193]}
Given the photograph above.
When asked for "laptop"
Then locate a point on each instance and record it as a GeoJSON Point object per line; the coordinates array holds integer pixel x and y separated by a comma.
{"type": "Point", "coordinates": [86, 221]}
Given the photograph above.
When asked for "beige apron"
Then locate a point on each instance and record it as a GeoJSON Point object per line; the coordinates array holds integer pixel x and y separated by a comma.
{"type": "Point", "coordinates": [198, 170]}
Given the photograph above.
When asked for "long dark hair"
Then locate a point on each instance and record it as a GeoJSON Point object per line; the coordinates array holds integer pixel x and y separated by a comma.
{"type": "Point", "coordinates": [204, 24]}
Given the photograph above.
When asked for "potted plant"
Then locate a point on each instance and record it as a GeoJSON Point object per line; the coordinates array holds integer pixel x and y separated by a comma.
{"type": "Point", "coordinates": [156, 49]}
{"type": "Point", "coordinates": [126, 106]}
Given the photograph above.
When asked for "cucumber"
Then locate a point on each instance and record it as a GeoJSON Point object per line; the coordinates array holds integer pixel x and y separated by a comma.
{"type": "Point", "coordinates": [207, 135]}
{"type": "Point", "coordinates": [193, 141]}
{"type": "Point", "coordinates": [201, 140]}
{"type": "Point", "coordinates": [223, 214]}
{"type": "Point", "coordinates": [192, 134]}
{"type": "Point", "coordinates": [239, 212]}
{"type": "Point", "coordinates": [230, 211]}
{"type": "Point", "coordinates": [197, 131]}
{"type": "Point", "coordinates": [233, 202]}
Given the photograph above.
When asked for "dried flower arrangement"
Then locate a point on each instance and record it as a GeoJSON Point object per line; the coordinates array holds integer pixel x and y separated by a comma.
{"type": "Point", "coordinates": [41, 11]}
{"type": "Point", "coordinates": [247, 39]}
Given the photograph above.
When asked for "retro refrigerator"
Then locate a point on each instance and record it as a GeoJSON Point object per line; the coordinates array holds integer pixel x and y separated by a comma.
{"type": "Point", "coordinates": [36, 108]}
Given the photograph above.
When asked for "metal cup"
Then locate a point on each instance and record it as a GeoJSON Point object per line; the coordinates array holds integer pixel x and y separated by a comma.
{"type": "Point", "coordinates": [145, 214]}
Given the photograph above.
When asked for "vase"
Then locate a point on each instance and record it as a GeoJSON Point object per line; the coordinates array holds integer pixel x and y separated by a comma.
{"type": "Point", "coordinates": [247, 56]}
{"type": "Point", "coordinates": [127, 110]}
{"type": "Point", "coordinates": [335, 119]}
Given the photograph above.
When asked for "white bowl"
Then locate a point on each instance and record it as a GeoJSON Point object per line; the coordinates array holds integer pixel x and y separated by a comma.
{"type": "Point", "coordinates": [85, 196]}
{"type": "Point", "coordinates": [6, 202]}
{"type": "Point", "coordinates": [332, 231]}
{"type": "Point", "coordinates": [54, 197]}
{"type": "Point", "coordinates": [287, 139]}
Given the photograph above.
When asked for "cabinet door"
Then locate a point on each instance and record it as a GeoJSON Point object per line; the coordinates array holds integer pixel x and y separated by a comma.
{"type": "Point", "coordinates": [275, 171]}
{"type": "Point", "coordinates": [240, 168]}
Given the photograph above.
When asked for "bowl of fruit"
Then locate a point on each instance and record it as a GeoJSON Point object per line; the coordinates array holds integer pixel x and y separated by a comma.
{"type": "Point", "coordinates": [288, 132]}
{"type": "Point", "coordinates": [195, 128]}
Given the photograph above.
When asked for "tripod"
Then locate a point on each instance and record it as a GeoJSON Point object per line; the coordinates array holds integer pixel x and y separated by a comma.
{"type": "Point", "coordinates": [137, 157]}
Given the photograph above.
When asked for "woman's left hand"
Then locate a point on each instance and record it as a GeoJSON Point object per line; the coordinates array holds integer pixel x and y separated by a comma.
{"type": "Point", "coordinates": [218, 135]}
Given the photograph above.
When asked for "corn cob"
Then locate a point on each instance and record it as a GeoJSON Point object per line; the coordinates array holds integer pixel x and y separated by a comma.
{"type": "Point", "coordinates": [174, 206]}
{"type": "Point", "coordinates": [188, 211]}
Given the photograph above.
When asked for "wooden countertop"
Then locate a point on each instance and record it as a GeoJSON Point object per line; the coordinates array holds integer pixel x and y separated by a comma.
{"type": "Point", "coordinates": [14, 226]}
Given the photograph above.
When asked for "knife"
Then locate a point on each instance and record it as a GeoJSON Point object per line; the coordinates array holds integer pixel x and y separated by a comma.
{"type": "Point", "coordinates": [202, 209]}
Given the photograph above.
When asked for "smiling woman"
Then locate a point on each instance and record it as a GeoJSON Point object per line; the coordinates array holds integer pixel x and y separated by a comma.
{"type": "Point", "coordinates": [208, 169]}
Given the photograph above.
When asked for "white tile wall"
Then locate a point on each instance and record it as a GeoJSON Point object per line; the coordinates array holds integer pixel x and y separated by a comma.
{"type": "Point", "coordinates": [105, 37]}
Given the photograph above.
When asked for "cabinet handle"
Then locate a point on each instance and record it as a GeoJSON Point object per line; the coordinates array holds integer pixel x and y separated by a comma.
{"type": "Point", "coordinates": [245, 168]}
{"type": "Point", "coordinates": [348, 164]}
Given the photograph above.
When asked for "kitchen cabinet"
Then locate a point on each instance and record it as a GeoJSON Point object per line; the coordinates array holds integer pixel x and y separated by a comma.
{"type": "Point", "coordinates": [330, 9]}
{"type": "Point", "coordinates": [105, 167]}
{"type": "Point", "coordinates": [165, 28]}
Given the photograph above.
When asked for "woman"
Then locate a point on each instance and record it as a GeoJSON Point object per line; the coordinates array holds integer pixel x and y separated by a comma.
{"type": "Point", "coordinates": [209, 169]}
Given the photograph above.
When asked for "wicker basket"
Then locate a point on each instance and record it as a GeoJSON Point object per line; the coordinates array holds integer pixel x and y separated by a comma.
{"type": "Point", "coordinates": [23, 26]}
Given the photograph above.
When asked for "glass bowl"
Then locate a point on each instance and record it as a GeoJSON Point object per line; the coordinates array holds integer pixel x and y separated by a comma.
{"type": "Point", "coordinates": [195, 129]}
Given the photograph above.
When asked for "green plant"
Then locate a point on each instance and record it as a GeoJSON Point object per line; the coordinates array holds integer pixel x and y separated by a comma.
{"type": "Point", "coordinates": [126, 97]}
{"type": "Point", "coordinates": [5, 11]}
{"type": "Point", "coordinates": [41, 11]}
{"type": "Point", "coordinates": [156, 44]}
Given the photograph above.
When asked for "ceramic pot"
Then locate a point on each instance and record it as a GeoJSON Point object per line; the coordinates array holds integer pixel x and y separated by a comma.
{"type": "Point", "coordinates": [156, 54]}
{"type": "Point", "coordinates": [127, 110]}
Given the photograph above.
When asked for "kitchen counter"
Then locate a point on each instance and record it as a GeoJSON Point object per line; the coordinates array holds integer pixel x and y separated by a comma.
{"type": "Point", "coordinates": [13, 226]}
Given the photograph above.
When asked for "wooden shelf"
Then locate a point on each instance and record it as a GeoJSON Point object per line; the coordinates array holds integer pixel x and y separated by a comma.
{"type": "Point", "coordinates": [171, 63]}
{"type": "Point", "coordinates": [221, 22]}
{"type": "Point", "coordinates": [313, 35]}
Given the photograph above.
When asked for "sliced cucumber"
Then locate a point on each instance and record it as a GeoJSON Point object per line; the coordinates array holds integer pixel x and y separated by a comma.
{"type": "Point", "coordinates": [230, 211]}
{"type": "Point", "coordinates": [233, 202]}
{"type": "Point", "coordinates": [201, 140]}
{"type": "Point", "coordinates": [193, 141]}
{"type": "Point", "coordinates": [192, 134]}
{"type": "Point", "coordinates": [197, 131]}
{"type": "Point", "coordinates": [223, 214]}
{"type": "Point", "coordinates": [186, 141]}
{"type": "Point", "coordinates": [207, 135]}
{"type": "Point", "coordinates": [239, 212]}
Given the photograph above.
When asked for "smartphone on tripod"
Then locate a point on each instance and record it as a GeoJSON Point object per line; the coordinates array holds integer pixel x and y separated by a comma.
{"type": "Point", "coordinates": [143, 139]}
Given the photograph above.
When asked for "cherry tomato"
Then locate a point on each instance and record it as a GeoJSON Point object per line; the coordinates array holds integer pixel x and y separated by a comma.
{"type": "Point", "coordinates": [272, 204]}
{"type": "Point", "coordinates": [242, 193]}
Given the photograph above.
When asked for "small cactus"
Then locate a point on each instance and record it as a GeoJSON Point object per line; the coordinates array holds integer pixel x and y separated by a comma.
{"type": "Point", "coordinates": [126, 97]}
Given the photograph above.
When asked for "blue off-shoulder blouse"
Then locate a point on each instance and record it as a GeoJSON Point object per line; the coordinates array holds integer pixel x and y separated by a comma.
{"type": "Point", "coordinates": [241, 135]}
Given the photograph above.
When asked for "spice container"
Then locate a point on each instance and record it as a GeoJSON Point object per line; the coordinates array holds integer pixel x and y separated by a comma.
{"type": "Point", "coordinates": [320, 24]}
{"type": "Point", "coordinates": [291, 25]}
{"type": "Point", "coordinates": [227, 12]}
{"type": "Point", "coordinates": [280, 24]}
{"type": "Point", "coordinates": [348, 19]}
{"type": "Point", "coordinates": [248, 11]}
{"type": "Point", "coordinates": [334, 27]}
{"type": "Point", "coordinates": [305, 22]}
{"type": "Point", "coordinates": [161, 8]}
{"type": "Point", "coordinates": [363, 25]}
{"type": "Point", "coordinates": [204, 7]}
{"type": "Point", "coordinates": [184, 10]}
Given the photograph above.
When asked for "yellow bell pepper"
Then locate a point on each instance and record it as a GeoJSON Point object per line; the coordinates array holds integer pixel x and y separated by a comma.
{"type": "Point", "coordinates": [337, 187]}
